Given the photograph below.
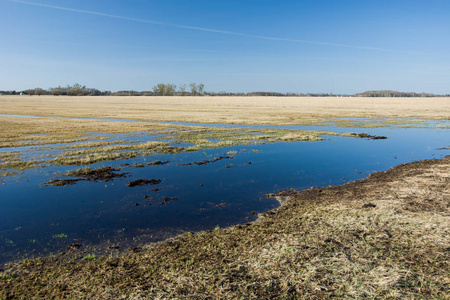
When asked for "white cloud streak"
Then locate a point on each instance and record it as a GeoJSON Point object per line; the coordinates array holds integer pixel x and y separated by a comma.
{"type": "Point", "coordinates": [204, 29]}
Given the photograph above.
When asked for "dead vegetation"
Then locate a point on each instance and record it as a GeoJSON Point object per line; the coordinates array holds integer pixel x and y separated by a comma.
{"type": "Point", "coordinates": [20, 132]}
{"type": "Point", "coordinates": [234, 110]}
{"type": "Point", "coordinates": [383, 237]}
{"type": "Point", "coordinates": [142, 182]}
{"type": "Point", "coordinates": [87, 174]}
{"type": "Point", "coordinates": [81, 147]}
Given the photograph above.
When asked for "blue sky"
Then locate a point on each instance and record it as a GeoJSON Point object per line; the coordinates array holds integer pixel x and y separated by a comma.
{"type": "Point", "coordinates": [338, 46]}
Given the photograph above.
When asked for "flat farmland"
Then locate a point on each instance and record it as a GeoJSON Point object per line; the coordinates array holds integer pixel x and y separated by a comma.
{"type": "Point", "coordinates": [95, 206]}
{"type": "Point", "coordinates": [228, 110]}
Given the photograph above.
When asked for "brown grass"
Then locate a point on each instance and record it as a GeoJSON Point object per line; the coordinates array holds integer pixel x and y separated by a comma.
{"type": "Point", "coordinates": [20, 131]}
{"type": "Point", "coordinates": [384, 237]}
{"type": "Point", "coordinates": [25, 131]}
{"type": "Point", "coordinates": [239, 110]}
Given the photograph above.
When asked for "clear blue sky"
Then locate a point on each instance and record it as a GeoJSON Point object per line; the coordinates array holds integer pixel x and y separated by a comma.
{"type": "Point", "coordinates": [339, 46]}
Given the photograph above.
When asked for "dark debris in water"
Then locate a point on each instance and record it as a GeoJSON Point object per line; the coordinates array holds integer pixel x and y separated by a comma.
{"type": "Point", "coordinates": [158, 163]}
{"type": "Point", "coordinates": [73, 246]}
{"type": "Point", "coordinates": [142, 182]}
{"type": "Point", "coordinates": [205, 162]}
{"type": "Point", "coordinates": [61, 182]}
{"type": "Point", "coordinates": [166, 200]}
{"type": "Point", "coordinates": [367, 136]}
{"type": "Point", "coordinates": [233, 166]}
{"type": "Point", "coordinates": [88, 174]}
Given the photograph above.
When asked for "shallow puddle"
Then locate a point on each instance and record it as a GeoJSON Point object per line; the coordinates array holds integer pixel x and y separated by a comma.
{"type": "Point", "coordinates": [189, 191]}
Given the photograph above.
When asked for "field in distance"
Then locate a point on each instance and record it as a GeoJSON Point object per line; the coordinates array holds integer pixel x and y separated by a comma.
{"type": "Point", "coordinates": [228, 110]}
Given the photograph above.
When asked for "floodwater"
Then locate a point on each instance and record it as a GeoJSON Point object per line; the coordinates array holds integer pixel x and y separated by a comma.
{"type": "Point", "coordinates": [40, 220]}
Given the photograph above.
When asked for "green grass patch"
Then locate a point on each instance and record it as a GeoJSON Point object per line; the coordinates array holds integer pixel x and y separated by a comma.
{"type": "Point", "coordinates": [60, 236]}
{"type": "Point", "coordinates": [89, 257]}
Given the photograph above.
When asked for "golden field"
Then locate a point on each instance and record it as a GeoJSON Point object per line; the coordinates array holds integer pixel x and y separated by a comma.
{"type": "Point", "coordinates": [229, 110]}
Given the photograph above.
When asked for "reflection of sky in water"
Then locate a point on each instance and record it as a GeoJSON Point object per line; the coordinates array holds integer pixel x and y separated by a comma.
{"type": "Point", "coordinates": [107, 210]}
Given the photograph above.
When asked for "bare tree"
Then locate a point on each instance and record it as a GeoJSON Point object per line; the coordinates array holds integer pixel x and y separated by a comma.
{"type": "Point", "coordinates": [75, 90]}
{"type": "Point", "coordinates": [200, 88]}
{"type": "Point", "coordinates": [193, 87]}
{"type": "Point", "coordinates": [170, 89]}
{"type": "Point", "coordinates": [162, 89]}
{"type": "Point", "coordinates": [39, 91]}
{"type": "Point", "coordinates": [158, 89]}
{"type": "Point", "coordinates": [182, 89]}
{"type": "Point", "coordinates": [57, 91]}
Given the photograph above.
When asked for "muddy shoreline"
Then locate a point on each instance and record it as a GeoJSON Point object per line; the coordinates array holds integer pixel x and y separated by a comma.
{"type": "Point", "coordinates": [385, 236]}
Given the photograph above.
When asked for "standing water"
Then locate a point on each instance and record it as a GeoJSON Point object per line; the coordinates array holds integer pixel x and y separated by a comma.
{"type": "Point", "coordinates": [197, 191]}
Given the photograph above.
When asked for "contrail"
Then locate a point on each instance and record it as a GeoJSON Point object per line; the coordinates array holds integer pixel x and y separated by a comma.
{"type": "Point", "coordinates": [146, 21]}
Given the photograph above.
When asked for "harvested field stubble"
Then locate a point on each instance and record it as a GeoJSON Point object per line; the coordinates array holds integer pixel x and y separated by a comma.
{"type": "Point", "coordinates": [386, 236]}
{"type": "Point", "coordinates": [229, 110]}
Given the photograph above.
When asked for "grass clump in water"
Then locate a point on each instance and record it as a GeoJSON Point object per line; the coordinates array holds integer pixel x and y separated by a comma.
{"type": "Point", "coordinates": [87, 174]}
{"type": "Point", "coordinates": [60, 236]}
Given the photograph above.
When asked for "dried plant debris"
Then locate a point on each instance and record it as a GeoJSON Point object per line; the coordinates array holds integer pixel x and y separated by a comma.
{"type": "Point", "coordinates": [166, 200]}
{"type": "Point", "coordinates": [205, 162]}
{"type": "Point", "coordinates": [158, 163]}
{"type": "Point", "coordinates": [365, 136]}
{"type": "Point", "coordinates": [142, 182]}
{"type": "Point", "coordinates": [88, 174]}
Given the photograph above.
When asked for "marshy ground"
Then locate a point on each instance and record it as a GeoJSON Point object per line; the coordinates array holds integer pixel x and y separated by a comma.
{"type": "Point", "coordinates": [381, 237]}
{"type": "Point", "coordinates": [85, 142]}
{"type": "Point", "coordinates": [386, 236]}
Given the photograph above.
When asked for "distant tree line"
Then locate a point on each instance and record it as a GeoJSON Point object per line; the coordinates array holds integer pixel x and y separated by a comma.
{"type": "Point", "coordinates": [193, 89]}
{"type": "Point", "coordinates": [292, 94]}
{"type": "Point", "coordinates": [70, 90]}
{"type": "Point", "coordinates": [388, 93]}
{"type": "Point", "coordinates": [168, 89]}
{"type": "Point", "coordinates": [77, 90]}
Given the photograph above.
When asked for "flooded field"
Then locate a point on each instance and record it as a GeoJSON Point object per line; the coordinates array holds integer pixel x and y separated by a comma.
{"type": "Point", "coordinates": [123, 202]}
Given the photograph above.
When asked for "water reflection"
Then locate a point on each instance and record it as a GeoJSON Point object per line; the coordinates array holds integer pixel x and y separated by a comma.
{"type": "Point", "coordinates": [190, 197]}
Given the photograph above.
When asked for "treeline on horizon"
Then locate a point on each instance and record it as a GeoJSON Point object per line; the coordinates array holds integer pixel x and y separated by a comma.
{"type": "Point", "coordinates": [193, 89]}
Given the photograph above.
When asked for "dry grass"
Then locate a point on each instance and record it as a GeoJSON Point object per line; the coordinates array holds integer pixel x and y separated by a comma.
{"type": "Point", "coordinates": [230, 110]}
{"type": "Point", "coordinates": [384, 237]}
{"type": "Point", "coordinates": [18, 132]}
{"type": "Point", "coordinates": [38, 132]}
